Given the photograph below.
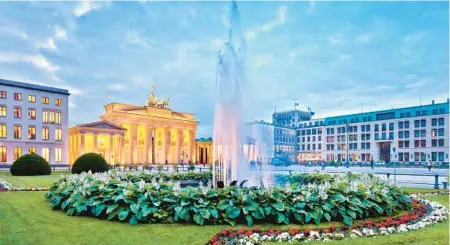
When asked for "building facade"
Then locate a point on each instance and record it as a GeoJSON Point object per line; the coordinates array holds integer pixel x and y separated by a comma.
{"type": "Point", "coordinates": [412, 134]}
{"type": "Point", "coordinates": [133, 134]}
{"type": "Point", "coordinates": [203, 148]}
{"type": "Point", "coordinates": [33, 119]}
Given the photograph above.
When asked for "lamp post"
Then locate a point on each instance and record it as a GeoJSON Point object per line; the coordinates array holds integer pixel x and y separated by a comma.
{"type": "Point", "coordinates": [346, 141]}
{"type": "Point", "coordinates": [395, 165]}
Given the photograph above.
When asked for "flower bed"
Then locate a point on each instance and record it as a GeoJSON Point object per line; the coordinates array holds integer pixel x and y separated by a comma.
{"type": "Point", "coordinates": [103, 195]}
{"type": "Point", "coordinates": [424, 213]}
{"type": "Point", "coordinates": [4, 185]}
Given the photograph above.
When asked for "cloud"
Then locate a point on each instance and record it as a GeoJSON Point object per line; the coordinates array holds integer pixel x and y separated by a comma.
{"type": "Point", "coordinates": [136, 39]}
{"type": "Point", "coordinates": [334, 40]}
{"type": "Point", "coordinates": [115, 87]}
{"type": "Point", "coordinates": [60, 33]}
{"type": "Point", "coordinates": [13, 32]}
{"type": "Point", "coordinates": [364, 38]}
{"type": "Point", "coordinates": [414, 37]}
{"type": "Point", "coordinates": [280, 19]}
{"type": "Point", "coordinates": [49, 44]}
{"type": "Point", "coordinates": [84, 7]}
{"type": "Point", "coordinates": [37, 60]}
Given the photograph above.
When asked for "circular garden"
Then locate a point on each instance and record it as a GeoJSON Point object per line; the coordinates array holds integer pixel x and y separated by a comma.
{"type": "Point", "coordinates": [361, 204]}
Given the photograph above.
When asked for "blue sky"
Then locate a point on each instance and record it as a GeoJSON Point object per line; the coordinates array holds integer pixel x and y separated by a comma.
{"type": "Point", "coordinates": [329, 56]}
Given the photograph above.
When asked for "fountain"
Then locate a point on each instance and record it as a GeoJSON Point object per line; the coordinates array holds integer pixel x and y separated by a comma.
{"type": "Point", "coordinates": [229, 163]}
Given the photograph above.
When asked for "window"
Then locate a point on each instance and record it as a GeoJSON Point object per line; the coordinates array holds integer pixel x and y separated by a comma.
{"type": "Point", "coordinates": [423, 123]}
{"type": "Point", "coordinates": [441, 142]}
{"type": "Point", "coordinates": [17, 152]}
{"type": "Point", "coordinates": [441, 121]}
{"type": "Point", "coordinates": [58, 155]}
{"type": "Point", "coordinates": [441, 110]}
{"type": "Point", "coordinates": [391, 126]}
{"type": "Point", "coordinates": [433, 132]}
{"type": "Point", "coordinates": [441, 156]}
{"type": "Point", "coordinates": [58, 117]}
{"type": "Point", "coordinates": [376, 127]}
{"type": "Point", "coordinates": [406, 134]}
{"type": "Point", "coordinates": [3, 156]}
{"type": "Point", "coordinates": [45, 133]}
{"type": "Point", "coordinates": [418, 113]}
{"type": "Point", "coordinates": [368, 146]}
{"type": "Point", "coordinates": [416, 123]}
{"type": "Point", "coordinates": [31, 113]}
{"type": "Point", "coordinates": [17, 96]}
{"type": "Point", "coordinates": [17, 112]}
{"type": "Point", "coordinates": [32, 98]}
{"type": "Point", "coordinates": [17, 132]}
{"type": "Point", "coordinates": [32, 132]}
{"type": "Point", "coordinates": [434, 143]}
{"type": "Point", "coordinates": [45, 116]}
{"type": "Point", "coordinates": [434, 122]}
{"type": "Point", "coordinates": [435, 111]}
{"type": "Point", "coordinates": [45, 100]}
{"type": "Point", "coordinates": [51, 117]}
{"type": "Point", "coordinates": [400, 124]}
{"type": "Point", "coordinates": [383, 127]}
{"type": "Point", "coordinates": [441, 132]}
{"type": "Point", "coordinates": [423, 133]}
{"type": "Point", "coordinates": [400, 134]}
{"type": "Point", "coordinates": [3, 131]}
{"type": "Point", "coordinates": [424, 113]}
{"type": "Point", "coordinates": [58, 135]}
{"type": "Point", "coordinates": [416, 133]}
{"type": "Point", "coordinates": [406, 124]}
{"type": "Point", "coordinates": [2, 94]}
{"type": "Point", "coordinates": [2, 110]}
{"type": "Point", "coordinates": [46, 154]}
{"type": "Point", "coordinates": [32, 150]}
{"type": "Point", "coordinates": [400, 144]}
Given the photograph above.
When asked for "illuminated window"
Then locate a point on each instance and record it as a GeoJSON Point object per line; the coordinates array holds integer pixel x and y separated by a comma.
{"type": "Point", "coordinates": [2, 110]}
{"type": "Point", "coordinates": [3, 131]}
{"type": "Point", "coordinates": [17, 112]}
{"type": "Point", "coordinates": [58, 155]}
{"type": "Point", "coordinates": [3, 155]}
{"type": "Point", "coordinates": [17, 152]}
{"type": "Point", "coordinates": [58, 102]}
{"type": "Point", "coordinates": [58, 135]}
{"type": "Point", "coordinates": [46, 154]}
{"type": "Point", "coordinates": [32, 98]}
{"type": "Point", "coordinates": [51, 117]}
{"type": "Point", "coordinates": [2, 94]}
{"type": "Point", "coordinates": [17, 132]}
{"type": "Point", "coordinates": [45, 100]}
{"type": "Point", "coordinates": [31, 113]}
{"type": "Point", "coordinates": [45, 133]}
{"type": "Point", "coordinates": [45, 116]}
{"type": "Point", "coordinates": [32, 132]}
{"type": "Point", "coordinates": [58, 117]}
{"type": "Point", "coordinates": [17, 96]}
{"type": "Point", "coordinates": [32, 150]}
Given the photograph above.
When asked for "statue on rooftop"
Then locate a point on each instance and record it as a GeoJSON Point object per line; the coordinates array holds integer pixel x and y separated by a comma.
{"type": "Point", "coordinates": [153, 101]}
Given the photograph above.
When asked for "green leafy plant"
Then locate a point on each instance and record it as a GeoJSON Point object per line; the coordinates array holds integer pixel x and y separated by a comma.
{"type": "Point", "coordinates": [30, 164]}
{"type": "Point", "coordinates": [341, 199]}
{"type": "Point", "coordinates": [160, 167]}
{"type": "Point", "coordinates": [90, 162]}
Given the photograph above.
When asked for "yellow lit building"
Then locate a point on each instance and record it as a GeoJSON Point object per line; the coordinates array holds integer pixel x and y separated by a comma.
{"type": "Point", "coordinates": [134, 134]}
{"type": "Point", "coordinates": [204, 150]}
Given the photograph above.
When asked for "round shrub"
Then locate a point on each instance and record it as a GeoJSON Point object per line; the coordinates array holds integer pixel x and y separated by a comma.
{"type": "Point", "coordinates": [30, 164]}
{"type": "Point", "coordinates": [90, 161]}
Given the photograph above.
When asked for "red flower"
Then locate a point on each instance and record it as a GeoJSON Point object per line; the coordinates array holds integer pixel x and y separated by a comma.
{"type": "Point", "coordinates": [216, 243]}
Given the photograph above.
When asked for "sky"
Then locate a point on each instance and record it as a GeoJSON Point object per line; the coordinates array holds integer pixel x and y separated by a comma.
{"type": "Point", "coordinates": [335, 57]}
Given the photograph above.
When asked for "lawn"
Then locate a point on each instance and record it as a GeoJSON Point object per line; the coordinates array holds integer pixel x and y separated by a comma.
{"type": "Point", "coordinates": [33, 181]}
{"type": "Point", "coordinates": [27, 218]}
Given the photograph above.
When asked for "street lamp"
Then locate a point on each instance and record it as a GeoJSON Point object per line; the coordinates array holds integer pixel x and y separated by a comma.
{"type": "Point", "coordinates": [346, 141]}
{"type": "Point", "coordinates": [395, 165]}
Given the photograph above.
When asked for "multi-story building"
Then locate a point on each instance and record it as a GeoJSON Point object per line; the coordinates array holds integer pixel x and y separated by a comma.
{"type": "Point", "coordinates": [291, 118]}
{"type": "Point", "coordinates": [33, 119]}
{"type": "Point", "coordinates": [412, 134]}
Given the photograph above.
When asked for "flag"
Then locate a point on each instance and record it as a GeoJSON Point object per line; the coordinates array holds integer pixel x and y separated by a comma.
{"type": "Point", "coordinates": [309, 109]}
{"type": "Point", "coordinates": [296, 104]}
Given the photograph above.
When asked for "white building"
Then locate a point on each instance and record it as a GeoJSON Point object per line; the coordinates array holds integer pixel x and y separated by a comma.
{"type": "Point", "coordinates": [411, 135]}
{"type": "Point", "coordinates": [33, 118]}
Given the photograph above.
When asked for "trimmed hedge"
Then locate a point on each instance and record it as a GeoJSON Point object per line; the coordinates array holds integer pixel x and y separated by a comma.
{"type": "Point", "coordinates": [29, 165]}
{"type": "Point", "coordinates": [90, 162]}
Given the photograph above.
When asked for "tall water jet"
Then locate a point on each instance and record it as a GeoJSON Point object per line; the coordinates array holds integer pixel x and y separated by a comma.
{"type": "Point", "coordinates": [229, 163]}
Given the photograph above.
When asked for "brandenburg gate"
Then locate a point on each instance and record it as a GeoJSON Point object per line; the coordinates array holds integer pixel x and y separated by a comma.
{"type": "Point", "coordinates": [130, 134]}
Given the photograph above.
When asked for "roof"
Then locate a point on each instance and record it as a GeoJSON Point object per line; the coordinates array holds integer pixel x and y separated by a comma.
{"type": "Point", "coordinates": [34, 87]}
{"type": "Point", "coordinates": [204, 139]}
{"type": "Point", "coordinates": [104, 122]}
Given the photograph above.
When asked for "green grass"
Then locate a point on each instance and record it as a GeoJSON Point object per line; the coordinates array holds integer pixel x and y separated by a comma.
{"type": "Point", "coordinates": [33, 181]}
{"type": "Point", "coordinates": [27, 218]}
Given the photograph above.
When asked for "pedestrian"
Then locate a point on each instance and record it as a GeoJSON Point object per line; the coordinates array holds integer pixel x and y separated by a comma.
{"type": "Point", "coordinates": [371, 163]}
{"type": "Point", "coordinates": [429, 165]}
{"type": "Point", "coordinates": [324, 165]}
{"type": "Point", "coordinates": [310, 164]}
